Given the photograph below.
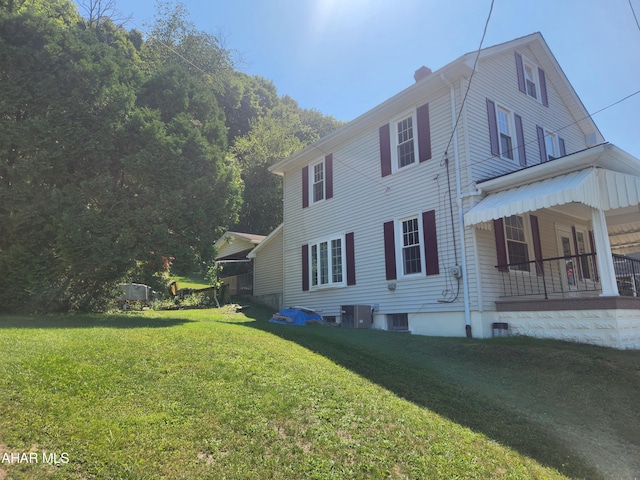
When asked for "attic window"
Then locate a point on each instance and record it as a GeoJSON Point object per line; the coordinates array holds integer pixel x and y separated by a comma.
{"type": "Point", "coordinates": [529, 81]}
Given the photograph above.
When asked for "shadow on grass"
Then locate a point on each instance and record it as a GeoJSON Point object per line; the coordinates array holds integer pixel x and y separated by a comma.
{"type": "Point", "coordinates": [88, 321]}
{"type": "Point", "coordinates": [401, 364]}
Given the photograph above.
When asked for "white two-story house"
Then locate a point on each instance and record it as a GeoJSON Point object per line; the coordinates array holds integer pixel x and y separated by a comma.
{"type": "Point", "coordinates": [478, 201]}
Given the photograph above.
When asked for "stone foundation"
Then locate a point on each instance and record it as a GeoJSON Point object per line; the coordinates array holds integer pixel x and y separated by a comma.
{"type": "Point", "coordinates": [606, 321]}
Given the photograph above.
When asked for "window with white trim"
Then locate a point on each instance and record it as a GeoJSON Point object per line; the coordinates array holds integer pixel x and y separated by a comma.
{"type": "Point", "coordinates": [505, 134]}
{"type": "Point", "coordinates": [586, 261]}
{"type": "Point", "coordinates": [531, 84]}
{"type": "Point", "coordinates": [517, 243]}
{"type": "Point", "coordinates": [551, 145]}
{"type": "Point", "coordinates": [317, 182]}
{"type": "Point", "coordinates": [411, 246]}
{"type": "Point", "coordinates": [406, 141]}
{"type": "Point", "coordinates": [327, 258]}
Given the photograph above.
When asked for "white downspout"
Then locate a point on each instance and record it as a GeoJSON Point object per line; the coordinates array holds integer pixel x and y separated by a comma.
{"type": "Point", "coordinates": [463, 249]}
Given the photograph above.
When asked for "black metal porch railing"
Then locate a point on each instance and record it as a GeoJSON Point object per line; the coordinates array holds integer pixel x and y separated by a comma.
{"type": "Point", "coordinates": [567, 276]}
{"type": "Point", "coordinates": [627, 275]}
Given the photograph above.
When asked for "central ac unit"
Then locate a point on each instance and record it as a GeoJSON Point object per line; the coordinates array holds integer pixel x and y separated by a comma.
{"type": "Point", "coordinates": [356, 316]}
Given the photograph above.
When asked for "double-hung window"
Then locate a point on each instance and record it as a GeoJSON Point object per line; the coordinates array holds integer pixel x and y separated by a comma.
{"type": "Point", "coordinates": [517, 245]}
{"type": "Point", "coordinates": [531, 79]}
{"type": "Point", "coordinates": [411, 246]}
{"type": "Point", "coordinates": [327, 262]}
{"type": "Point", "coordinates": [505, 132]}
{"type": "Point", "coordinates": [551, 145]}
{"type": "Point", "coordinates": [530, 82]}
{"type": "Point", "coordinates": [317, 182]}
{"type": "Point", "coordinates": [405, 142]}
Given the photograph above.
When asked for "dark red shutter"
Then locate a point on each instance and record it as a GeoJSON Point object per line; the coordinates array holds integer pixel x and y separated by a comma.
{"type": "Point", "coordinates": [501, 245]}
{"type": "Point", "coordinates": [430, 242]}
{"type": "Point", "coordinates": [522, 155]}
{"type": "Point", "coordinates": [385, 149]}
{"type": "Point", "coordinates": [541, 144]}
{"type": "Point", "coordinates": [537, 245]}
{"type": "Point", "coordinates": [493, 127]}
{"type": "Point", "coordinates": [351, 258]}
{"type": "Point", "coordinates": [424, 133]}
{"type": "Point", "coordinates": [520, 70]}
{"type": "Point", "coordinates": [305, 268]}
{"type": "Point", "coordinates": [390, 251]}
{"type": "Point", "coordinates": [328, 168]}
{"type": "Point", "coordinates": [543, 88]}
{"type": "Point", "coordinates": [563, 148]}
{"type": "Point", "coordinates": [305, 187]}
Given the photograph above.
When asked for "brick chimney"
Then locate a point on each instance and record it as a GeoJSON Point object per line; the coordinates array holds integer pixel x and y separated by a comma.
{"type": "Point", "coordinates": [421, 73]}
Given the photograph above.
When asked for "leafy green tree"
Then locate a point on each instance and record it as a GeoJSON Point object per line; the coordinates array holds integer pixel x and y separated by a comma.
{"type": "Point", "coordinates": [285, 130]}
{"type": "Point", "coordinates": [96, 184]}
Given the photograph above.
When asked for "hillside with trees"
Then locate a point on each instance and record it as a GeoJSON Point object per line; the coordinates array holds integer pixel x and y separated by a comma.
{"type": "Point", "coordinates": [124, 154]}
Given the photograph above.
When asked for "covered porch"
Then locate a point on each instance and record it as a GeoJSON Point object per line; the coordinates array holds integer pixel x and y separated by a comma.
{"type": "Point", "coordinates": [567, 243]}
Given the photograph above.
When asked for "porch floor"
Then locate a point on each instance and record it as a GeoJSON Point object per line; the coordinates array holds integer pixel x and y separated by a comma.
{"type": "Point", "coordinates": [572, 303]}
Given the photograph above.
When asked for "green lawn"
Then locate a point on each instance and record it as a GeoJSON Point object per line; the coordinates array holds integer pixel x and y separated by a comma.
{"type": "Point", "coordinates": [218, 394]}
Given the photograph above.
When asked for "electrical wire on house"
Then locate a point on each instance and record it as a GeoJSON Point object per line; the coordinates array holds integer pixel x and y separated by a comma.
{"type": "Point", "coordinates": [351, 167]}
{"type": "Point", "coordinates": [634, 14]}
{"type": "Point", "coordinates": [445, 162]}
{"type": "Point", "coordinates": [466, 93]}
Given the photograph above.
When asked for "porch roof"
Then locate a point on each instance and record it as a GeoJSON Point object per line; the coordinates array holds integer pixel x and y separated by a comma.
{"type": "Point", "coordinates": [595, 187]}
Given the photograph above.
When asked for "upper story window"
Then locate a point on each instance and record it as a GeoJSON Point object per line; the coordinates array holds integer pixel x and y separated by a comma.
{"type": "Point", "coordinates": [317, 182]}
{"type": "Point", "coordinates": [531, 79]}
{"type": "Point", "coordinates": [505, 131]}
{"type": "Point", "coordinates": [405, 142]}
{"type": "Point", "coordinates": [551, 145]}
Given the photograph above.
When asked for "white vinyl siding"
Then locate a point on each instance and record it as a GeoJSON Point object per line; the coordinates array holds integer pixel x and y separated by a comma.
{"type": "Point", "coordinates": [268, 267]}
{"type": "Point", "coordinates": [366, 200]}
{"type": "Point", "coordinates": [496, 79]}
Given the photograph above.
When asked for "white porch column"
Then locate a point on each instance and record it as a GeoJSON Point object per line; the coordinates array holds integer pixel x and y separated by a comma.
{"type": "Point", "coordinates": [603, 257]}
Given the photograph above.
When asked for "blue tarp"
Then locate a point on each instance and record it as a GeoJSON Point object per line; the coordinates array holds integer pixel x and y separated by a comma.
{"type": "Point", "coordinates": [292, 316]}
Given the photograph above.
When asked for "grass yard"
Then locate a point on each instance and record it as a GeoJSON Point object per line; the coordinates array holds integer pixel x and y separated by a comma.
{"type": "Point", "coordinates": [218, 394]}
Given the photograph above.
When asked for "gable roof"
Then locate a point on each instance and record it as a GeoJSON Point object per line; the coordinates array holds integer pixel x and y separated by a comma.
{"type": "Point", "coordinates": [236, 245]}
{"type": "Point", "coordinates": [443, 77]}
{"type": "Point", "coordinates": [248, 237]}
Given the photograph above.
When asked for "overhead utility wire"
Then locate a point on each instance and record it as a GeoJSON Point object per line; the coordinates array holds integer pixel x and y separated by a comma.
{"type": "Point", "coordinates": [473, 71]}
{"type": "Point", "coordinates": [634, 14]}
{"type": "Point", "coordinates": [445, 158]}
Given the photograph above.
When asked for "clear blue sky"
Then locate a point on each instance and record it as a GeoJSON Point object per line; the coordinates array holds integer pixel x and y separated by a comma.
{"type": "Point", "coordinates": [343, 57]}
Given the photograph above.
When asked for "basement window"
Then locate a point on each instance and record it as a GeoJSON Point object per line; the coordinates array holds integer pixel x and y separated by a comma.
{"type": "Point", "coordinates": [398, 321]}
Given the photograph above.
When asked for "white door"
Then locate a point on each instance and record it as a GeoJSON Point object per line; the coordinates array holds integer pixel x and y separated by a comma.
{"type": "Point", "coordinates": [568, 268]}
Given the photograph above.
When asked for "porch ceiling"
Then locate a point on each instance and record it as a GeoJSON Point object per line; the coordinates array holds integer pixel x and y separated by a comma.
{"type": "Point", "coordinates": [593, 187]}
